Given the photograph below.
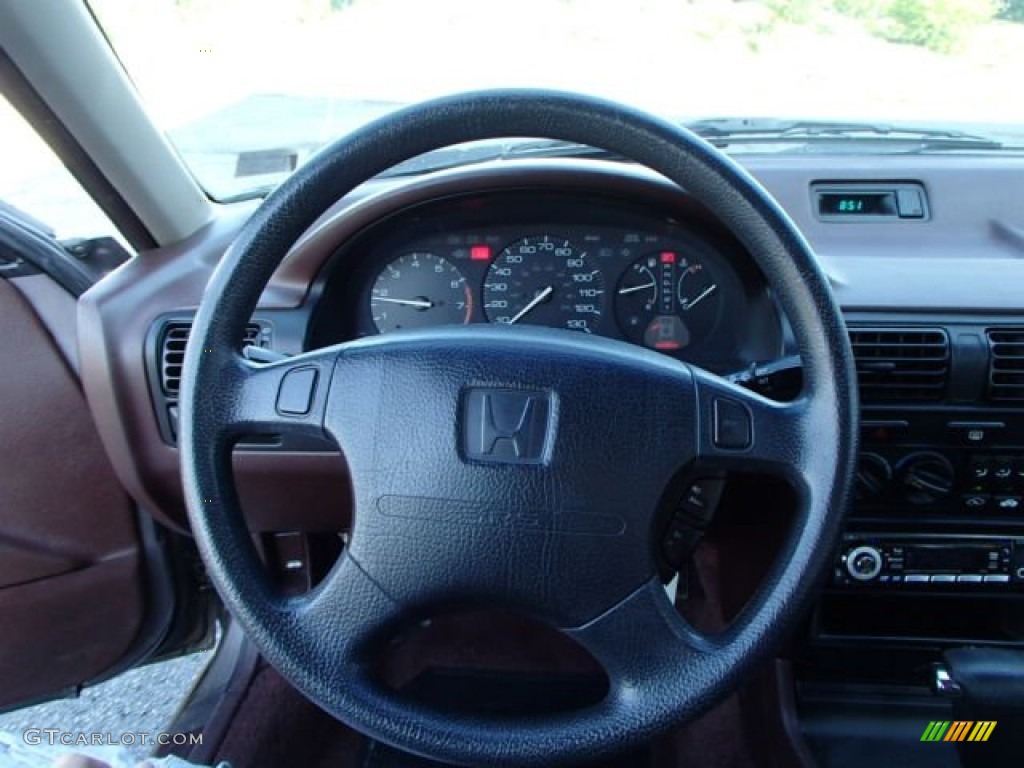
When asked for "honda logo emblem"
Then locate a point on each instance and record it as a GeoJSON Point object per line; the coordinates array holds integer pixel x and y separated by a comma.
{"type": "Point", "coordinates": [505, 425]}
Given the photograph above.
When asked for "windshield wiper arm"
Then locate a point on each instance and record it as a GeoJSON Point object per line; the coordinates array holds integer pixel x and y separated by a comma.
{"type": "Point", "coordinates": [744, 129]}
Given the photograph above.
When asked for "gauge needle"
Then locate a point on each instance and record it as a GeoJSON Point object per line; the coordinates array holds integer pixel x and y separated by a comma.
{"type": "Point", "coordinates": [707, 292]}
{"type": "Point", "coordinates": [418, 303]}
{"type": "Point", "coordinates": [635, 288]}
{"type": "Point", "coordinates": [543, 295]}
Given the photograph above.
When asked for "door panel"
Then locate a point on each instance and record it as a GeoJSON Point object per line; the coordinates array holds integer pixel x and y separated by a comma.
{"type": "Point", "coordinates": [71, 583]}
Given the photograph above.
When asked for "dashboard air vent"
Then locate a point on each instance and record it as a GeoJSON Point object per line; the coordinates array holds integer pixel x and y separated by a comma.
{"type": "Point", "coordinates": [1006, 364]}
{"type": "Point", "coordinates": [172, 351]}
{"type": "Point", "coordinates": [901, 365]}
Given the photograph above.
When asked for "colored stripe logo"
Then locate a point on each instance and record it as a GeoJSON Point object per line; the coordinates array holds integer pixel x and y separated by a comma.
{"type": "Point", "coordinates": [958, 730]}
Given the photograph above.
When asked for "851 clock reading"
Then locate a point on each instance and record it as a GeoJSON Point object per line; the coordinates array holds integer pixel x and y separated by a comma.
{"type": "Point", "coordinates": [856, 204]}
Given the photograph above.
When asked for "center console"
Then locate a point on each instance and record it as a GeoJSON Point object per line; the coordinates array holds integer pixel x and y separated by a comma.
{"type": "Point", "coordinates": [939, 502]}
{"type": "Point", "coordinates": [932, 556]}
{"type": "Point", "coordinates": [937, 522]}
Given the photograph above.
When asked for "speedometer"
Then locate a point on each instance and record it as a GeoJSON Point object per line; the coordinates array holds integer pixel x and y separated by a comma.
{"type": "Point", "coordinates": [544, 280]}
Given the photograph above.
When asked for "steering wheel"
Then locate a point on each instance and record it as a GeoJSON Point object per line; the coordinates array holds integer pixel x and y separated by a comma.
{"type": "Point", "coordinates": [512, 466]}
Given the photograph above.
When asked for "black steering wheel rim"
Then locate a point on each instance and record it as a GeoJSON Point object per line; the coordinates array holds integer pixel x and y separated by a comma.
{"type": "Point", "coordinates": [812, 441]}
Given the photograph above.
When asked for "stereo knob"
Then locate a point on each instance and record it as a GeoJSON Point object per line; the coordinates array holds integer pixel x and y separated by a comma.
{"type": "Point", "coordinates": [927, 478]}
{"type": "Point", "coordinates": [863, 563]}
{"type": "Point", "coordinates": [873, 477]}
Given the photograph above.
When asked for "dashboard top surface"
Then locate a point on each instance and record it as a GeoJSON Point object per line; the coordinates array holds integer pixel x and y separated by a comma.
{"type": "Point", "coordinates": [968, 256]}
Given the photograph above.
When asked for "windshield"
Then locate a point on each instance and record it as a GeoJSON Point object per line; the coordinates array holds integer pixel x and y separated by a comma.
{"type": "Point", "coordinates": [247, 90]}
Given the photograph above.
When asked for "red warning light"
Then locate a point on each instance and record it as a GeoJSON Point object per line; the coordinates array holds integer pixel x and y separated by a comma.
{"type": "Point", "coordinates": [667, 257]}
{"type": "Point", "coordinates": [480, 253]}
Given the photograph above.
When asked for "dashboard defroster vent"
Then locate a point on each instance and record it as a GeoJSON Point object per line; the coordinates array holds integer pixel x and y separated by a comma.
{"type": "Point", "coordinates": [1006, 364]}
{"type": "Point", "coordinates": [901, 365]}
{"type": "Point", "coordinates": [172, 351]}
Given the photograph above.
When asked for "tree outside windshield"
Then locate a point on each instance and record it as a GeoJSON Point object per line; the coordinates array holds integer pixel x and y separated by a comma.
{"type": "Point", "coordinates": [247, 89]}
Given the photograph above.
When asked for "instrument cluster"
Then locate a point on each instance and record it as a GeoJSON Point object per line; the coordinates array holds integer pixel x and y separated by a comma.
{"type": "Point", "coordinates": [589, 266]}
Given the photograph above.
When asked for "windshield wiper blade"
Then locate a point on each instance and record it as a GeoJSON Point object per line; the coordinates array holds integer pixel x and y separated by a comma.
{"type": "Point", "coordinates": [750, 130]}
{"type": "Point", "coordinates": [556, 148]}
{"type": "Point", "coordinates": [455, 157]}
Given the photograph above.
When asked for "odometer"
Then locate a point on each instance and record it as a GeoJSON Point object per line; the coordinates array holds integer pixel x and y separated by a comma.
{"type": "Point", "coordinates": [544, 280]}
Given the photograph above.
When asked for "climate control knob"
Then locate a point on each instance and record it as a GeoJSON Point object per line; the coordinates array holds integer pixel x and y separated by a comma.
{"type": "Point", "coordinates": [873, 477]}
{"type": "Point", "coordinates": [863, 563]}
{"type": "Point", "coordinates": [927, 478]}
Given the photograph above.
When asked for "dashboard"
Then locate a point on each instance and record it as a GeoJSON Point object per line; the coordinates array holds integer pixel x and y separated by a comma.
{"type": "Point", "coordinates": [575, 261]}
{"type": "Point", "coordinates": [593, 248]}
{"type": "Point", "coordinates": [582, 241]}
{"type": "Point", "coordinates": [932, 555]}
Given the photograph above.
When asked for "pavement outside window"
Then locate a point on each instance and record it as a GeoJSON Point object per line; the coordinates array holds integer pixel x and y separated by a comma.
{"type": "Point", "coordinates": [143, 700]}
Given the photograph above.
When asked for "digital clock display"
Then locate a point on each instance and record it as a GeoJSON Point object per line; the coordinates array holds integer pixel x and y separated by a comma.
{"type": "Point", "coordinates": [857, 204]}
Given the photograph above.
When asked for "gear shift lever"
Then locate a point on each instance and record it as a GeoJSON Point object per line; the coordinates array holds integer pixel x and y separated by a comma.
{"type": "Point", "coordinates": [987, 684]}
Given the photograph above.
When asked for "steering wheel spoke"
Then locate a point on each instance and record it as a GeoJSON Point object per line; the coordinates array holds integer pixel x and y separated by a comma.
{"type": "Point", "coordinates": [742, 430]}
{"type": "Point", "coordinates": [344, 614]}
{"type": "Point", "coordinates": [641, 641]}
{"type": "Point", "coordinates": [284, 397]}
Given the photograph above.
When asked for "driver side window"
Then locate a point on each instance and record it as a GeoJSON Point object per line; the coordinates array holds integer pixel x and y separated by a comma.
{"type": "Point", "coordinates": [35, 182]}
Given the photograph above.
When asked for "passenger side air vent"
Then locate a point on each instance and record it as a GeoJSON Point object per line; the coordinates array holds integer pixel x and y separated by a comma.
{"type": "Point", "coordinates": [172, 351]}
{"type": "Point", "coordinates": [901, 365]}
{"type": "Point", "coordinates": [1006, 364]}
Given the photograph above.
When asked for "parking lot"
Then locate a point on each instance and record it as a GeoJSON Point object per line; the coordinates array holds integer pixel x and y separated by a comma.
{"type": "Point", "coordinates": [140, 701]}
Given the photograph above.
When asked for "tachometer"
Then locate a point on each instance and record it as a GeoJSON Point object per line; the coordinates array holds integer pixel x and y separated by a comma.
{"type": "Point", "coordinates": [544, 280]}
{"type": "Point", "coordinates": [419, 290]}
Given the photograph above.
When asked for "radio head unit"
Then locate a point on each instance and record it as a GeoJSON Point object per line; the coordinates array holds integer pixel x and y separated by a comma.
{"type": "Point", "coordinates": [944, 561]}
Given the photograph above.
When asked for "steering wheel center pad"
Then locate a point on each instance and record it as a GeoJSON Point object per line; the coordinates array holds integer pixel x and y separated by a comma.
{"type": "Point", "coordinates": [514, 464]}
